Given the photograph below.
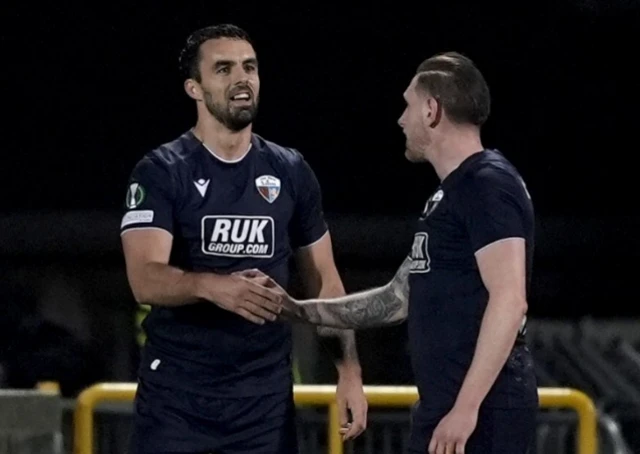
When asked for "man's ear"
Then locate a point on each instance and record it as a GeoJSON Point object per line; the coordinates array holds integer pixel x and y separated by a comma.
{"type": "Point", "coordinates": [193, 89]}
{"type": "Point", "coordinates": [432, 112]}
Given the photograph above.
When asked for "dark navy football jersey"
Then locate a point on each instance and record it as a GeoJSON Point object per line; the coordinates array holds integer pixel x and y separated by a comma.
{"type": "Point", "coordinates": [224, 217]}
{"type": "Point", "coordinates": [482, 201]}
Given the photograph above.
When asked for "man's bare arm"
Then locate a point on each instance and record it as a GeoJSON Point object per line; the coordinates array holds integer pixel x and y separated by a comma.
{"type": "Point", "coordinates": [321, 280]}
{"type": "Point", "coordinates": [503, 270]}
{"type": "Point", "coordinates": [381, 306]}
{"type": "Point", "coordinates": [153, 281]}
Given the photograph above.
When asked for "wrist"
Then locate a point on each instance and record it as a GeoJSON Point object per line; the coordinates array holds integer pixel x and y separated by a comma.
{"type": "Point", "coordinates": [298, 310]}
{"type": "Point", "coordinates": [349, 370]}
{"type": "Point", "coordinates": [467, 403]}
{"type": "Point", "coordinates": [196, 281]}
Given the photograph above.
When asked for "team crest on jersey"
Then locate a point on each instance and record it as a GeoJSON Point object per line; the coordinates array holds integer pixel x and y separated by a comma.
{"type": "Point", "coordinates": [268, 187]}
{"type": "Point", "coordinates": [432, 203]}
{"type": "Point", "coordinates": [238, 236]}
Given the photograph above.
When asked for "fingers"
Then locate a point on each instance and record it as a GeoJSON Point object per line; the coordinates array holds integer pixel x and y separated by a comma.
{"type": "Point", "coordinates": [254, 272]}
{"type": "Point", "coordinates": [343, 412]}
{"type": "Point", "coordinates": [257, 294]}
{"type": "Point", "coordinates": [263, 310]}
{"type": "Point", "coordinates": [249, 316]}
{"type": "Point", "coordinates": [264, 302]}
{"type": "Point", "coordinates": [265, 281]}
{"type": "Point", "coordinates": [266, 287]}
{"type": "Point", "coordinates": [354, 430]}
{"type": "Point", "coordinates": [257, 276]}
{"type": "Point", "coordinates": [359, 422]}
{"type": "Point", "coordinates": [437, 446]}
{"type": "Point", "coordinates": [433, 446]}
{"type": "Point", "coordinates": [272, 303]}
{"type": "Point", "coordinates": [343, 415]}
{"type": "Point", "coordinates": [261, 297]}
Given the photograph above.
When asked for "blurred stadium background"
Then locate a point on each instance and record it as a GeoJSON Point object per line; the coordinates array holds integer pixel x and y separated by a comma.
{"type": "Point", "coordinates": [90, 89]}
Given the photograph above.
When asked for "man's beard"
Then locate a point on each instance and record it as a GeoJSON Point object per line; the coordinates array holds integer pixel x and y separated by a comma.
{"type": "Point", "coordinates": [234, 118]}
{"type": "Point", "coordinates": [411, 153]}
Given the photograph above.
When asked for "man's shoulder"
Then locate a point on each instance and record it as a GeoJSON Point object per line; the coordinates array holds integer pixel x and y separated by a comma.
{"type": "Point", "coordinates": [492, 177]}
{"type": "Point", "coordinates": [491, 170]}
{"type": "Point", "coordinates": [281, 155]}
{"type": "Point", "coordinates": [168, 156]}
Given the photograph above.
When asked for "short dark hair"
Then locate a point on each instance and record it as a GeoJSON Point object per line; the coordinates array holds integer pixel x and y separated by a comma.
{"type": "Point", "coordinates": [189, 59]}
{"type": "Point", "coordinates": [455, 81]}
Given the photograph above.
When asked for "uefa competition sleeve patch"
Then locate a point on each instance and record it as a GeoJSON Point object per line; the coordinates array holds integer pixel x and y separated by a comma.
{"type": "Point", "coordinates": [135, 196]}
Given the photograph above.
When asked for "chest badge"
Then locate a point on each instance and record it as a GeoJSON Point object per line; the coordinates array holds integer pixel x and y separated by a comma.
{"type": "Point", "coordinates": [432, 203]}
{"type": "Point", "coordinates": [268, 187]}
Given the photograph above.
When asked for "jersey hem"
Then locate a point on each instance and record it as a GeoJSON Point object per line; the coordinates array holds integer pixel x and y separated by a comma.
{"type": "Point", "coordinates": [326, 232]}
{"type": "Point", "coordinates": [122, 232]}
{"type": "Point", "coordinates": [516, 237]}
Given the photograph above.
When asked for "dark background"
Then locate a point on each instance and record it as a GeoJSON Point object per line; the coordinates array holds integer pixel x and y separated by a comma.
{"type": "Point", "coordinates": [96, 86]}
{"type": "Point", "coordinates": [90, 88]}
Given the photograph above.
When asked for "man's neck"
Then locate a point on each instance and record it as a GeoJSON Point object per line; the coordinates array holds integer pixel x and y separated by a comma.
{"type": "Point", "coordinates": [456, 146]}
{"type": "Point", "coordinates": [219, 140]}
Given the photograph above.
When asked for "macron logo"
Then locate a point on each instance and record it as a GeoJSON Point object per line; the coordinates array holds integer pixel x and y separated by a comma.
{"type": "Point", "coordinates": [201, 186]}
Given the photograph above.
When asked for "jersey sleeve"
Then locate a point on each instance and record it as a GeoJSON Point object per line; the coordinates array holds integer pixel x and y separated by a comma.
{"type": "Point", "coordinates": [149, 199]}
{"type": "Point", "coordinates": [493, 208]}
{"type": "Point", "coordinates": [308, 224]}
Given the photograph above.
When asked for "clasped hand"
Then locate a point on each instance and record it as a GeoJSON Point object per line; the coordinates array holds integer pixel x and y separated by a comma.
{"type": "Point", "coordinates": [253, 295]}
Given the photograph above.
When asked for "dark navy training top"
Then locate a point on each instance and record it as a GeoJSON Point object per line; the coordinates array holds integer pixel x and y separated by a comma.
{"type": "Point", "coordinates": [224, 217]}
{"type": "Point", "coordinates": [482, 201]}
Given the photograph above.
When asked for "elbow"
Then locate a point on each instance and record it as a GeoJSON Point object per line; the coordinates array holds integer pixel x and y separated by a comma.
{"type": "Point", "coordinates": [519, 310]}
{"type": "Point", "coordinates": [140, 285]}
{"type": "Point", "coordinates": [521, 306]}
{"type": "Point", "coordinates": [140, 291]}
{"type": "Point", "coordinates": [140, 296]}
{"type": "Point", "coordinates": [510, 304]}
{"type": "Point", "coordinates": [400, 316]}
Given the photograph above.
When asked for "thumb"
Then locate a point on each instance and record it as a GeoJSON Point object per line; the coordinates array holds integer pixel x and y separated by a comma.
{"type": "Point", "coordinates": [252, 273]}
{"type": "Point", "coordinates": [267, 281]}
{"type": "Point", "coordinates": [343, 413]}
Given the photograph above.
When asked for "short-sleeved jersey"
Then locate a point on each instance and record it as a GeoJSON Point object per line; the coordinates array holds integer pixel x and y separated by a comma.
{"type": "Point", "coordinates": [482, 201]}
{"type": "Point", "coordinates": [224, 217]}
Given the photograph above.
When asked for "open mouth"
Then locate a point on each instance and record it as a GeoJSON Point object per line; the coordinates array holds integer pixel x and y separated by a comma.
{"type": "Point", "coordinates": [241, 97]}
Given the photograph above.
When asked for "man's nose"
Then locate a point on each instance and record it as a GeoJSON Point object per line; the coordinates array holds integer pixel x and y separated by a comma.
{"type": "Point", "coordinates": [241, 77]}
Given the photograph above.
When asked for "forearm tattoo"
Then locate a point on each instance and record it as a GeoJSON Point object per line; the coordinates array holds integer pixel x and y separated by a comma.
{"type": "Point", "coordinates": [387, 305]}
